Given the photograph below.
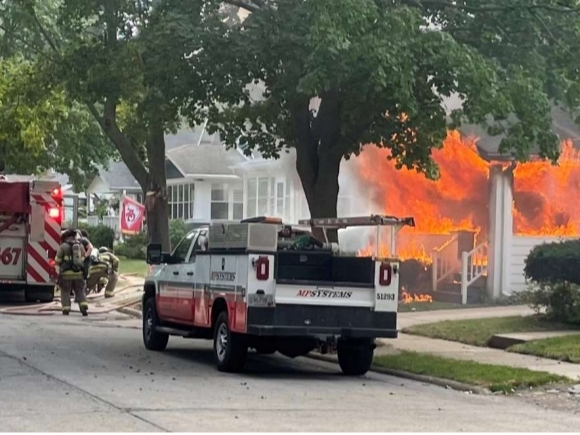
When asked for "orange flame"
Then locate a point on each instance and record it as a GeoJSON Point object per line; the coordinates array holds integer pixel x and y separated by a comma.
{"type": "Point", "coordinates": [408, 298]}
{"type": "Point", "coordinates": [544, 196]}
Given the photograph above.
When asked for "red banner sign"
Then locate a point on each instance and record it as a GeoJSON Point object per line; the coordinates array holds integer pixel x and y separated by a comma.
{"type": "Point", "coordinates": [132, 214]}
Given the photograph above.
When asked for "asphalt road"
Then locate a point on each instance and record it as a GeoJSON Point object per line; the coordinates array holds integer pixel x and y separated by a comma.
{"type": "Point", "coordinates": [74, 374]}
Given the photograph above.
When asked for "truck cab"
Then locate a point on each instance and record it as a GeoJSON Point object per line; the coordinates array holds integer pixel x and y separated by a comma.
{"type": "Point", "coordinates": [266, 286]}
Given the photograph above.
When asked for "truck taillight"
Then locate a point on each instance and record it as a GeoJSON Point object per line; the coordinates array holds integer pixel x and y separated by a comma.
{"type": "Point", "coordinates": [385, 274]}
{"type": "Point", "coordinates": [262, 269]}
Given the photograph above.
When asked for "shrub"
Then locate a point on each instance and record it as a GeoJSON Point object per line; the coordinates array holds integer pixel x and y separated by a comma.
{"type": "Point", "coordinates": [134, 247]}
{"type": "Point", "coordinates": [99, 235]}
{"type": "Point", "coordinates": [554, 262]}
{"type": "Point", "coordinates": [177, 231]}
{"type": "Point", "coordinates": [561, 301]}
{"type": "Point", "coordinates": [554, 269]}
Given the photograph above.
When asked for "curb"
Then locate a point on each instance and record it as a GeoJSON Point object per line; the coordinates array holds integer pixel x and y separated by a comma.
{"type": "Point", "coordinates": [445, 383]}
{"type": "Point", "coordinates": [130, 311]}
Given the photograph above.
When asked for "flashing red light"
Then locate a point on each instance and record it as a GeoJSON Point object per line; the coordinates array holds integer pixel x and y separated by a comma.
{"type": "Point", "coordinates": [54, 212]}
{"type": "Point", "coordinates": [57, 192]}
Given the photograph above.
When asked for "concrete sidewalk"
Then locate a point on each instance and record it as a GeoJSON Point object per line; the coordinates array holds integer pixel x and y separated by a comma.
{"type": "Point", "coordinates": [451, 349]}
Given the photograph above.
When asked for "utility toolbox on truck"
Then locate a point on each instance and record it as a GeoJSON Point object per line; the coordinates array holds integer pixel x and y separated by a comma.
{"type": "Point", "coordinates": [259, 284]}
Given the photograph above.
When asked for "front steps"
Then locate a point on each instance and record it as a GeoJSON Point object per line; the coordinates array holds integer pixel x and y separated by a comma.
{"type": "Point", "coordinates": [450, 291]}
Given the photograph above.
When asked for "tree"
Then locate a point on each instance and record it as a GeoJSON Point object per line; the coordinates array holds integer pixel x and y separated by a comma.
{"type": "Point", "coordinates": [340, 74]}
{"type": "Point", "coordinates": [40, 128]}
{"type": "Point", "coordinates": [126, 62]}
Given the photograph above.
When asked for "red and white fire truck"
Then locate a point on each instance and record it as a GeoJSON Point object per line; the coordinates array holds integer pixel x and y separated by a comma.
{"type": "Point", "coordinates": [31, 216]}
{"type": "Point", "coordinates": [263, 285]}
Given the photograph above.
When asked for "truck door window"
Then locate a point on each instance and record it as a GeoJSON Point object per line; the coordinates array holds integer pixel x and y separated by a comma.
{"type": "Point", "coordinates": [196, 246]}
{"type": "Point", "coordinates": [182, 248]}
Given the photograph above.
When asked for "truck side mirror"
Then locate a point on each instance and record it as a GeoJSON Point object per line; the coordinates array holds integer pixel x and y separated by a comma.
{"type": "Point", "coordinates": [154, 253]}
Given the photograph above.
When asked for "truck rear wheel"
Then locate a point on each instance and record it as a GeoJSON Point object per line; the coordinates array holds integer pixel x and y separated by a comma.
{"type": "Point", "coordinates": [230, 350]}
{"type": "Point", "coordinates": [153, 339]}
{"type": "Point", "coordinates": [39, 294]}
{"type": "Point", "coordinates": [355, 357]}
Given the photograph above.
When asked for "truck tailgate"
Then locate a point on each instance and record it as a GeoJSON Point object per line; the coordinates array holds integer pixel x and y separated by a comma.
{"type": "Point", "coordinates": [334, 295]}
{"type": "Point", "coordinates": [11, 257]}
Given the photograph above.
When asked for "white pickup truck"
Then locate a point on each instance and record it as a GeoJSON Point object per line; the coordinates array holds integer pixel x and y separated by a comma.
{"type": "Point", "coordinates": [263, 285]}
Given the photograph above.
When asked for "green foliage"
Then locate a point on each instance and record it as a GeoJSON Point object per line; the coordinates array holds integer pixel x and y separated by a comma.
{"type": "Point", "coordinates": [560, 300]}
{"type": "Point", "coordinates": [40, 127]}
{"type": "Point", "coordinates": [553, 270]}
{"type": "Point", "coordinates": [99, 235]}
{"type": "Point", "coordinates": [177, 231]}
{"type": "Point", "coordinates": [382, 76]}
{"type": "Point", "coordinates": [134, 247]}
{"type": "Point", "coordinates": [554, 262]}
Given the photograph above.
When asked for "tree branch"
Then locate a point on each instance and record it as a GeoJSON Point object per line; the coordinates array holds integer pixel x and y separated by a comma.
{"type": "Point", "coordinates": [22, 40]}
{"type": "Point", "coordinates": [108, 124]}
{"type": "Point", "coordinates": [253, 6]}
{"type": "Point", "coordinates": [42, 30]}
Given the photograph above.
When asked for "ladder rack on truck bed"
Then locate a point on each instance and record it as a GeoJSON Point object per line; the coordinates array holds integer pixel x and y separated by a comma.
{"type": "Point", "coordinates": [378, 221]}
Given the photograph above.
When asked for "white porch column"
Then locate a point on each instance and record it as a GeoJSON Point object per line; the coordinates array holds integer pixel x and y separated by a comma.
{"type": "Point", "coordinates": [500, 230]}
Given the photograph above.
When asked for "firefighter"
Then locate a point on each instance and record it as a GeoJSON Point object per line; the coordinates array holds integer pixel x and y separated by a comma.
{"type": "Point", "coordinates": [97, 271]}
{"type": "Point", "coordinates": [110, 282]}
{"type": "Point", "coordinates": [69, 261]}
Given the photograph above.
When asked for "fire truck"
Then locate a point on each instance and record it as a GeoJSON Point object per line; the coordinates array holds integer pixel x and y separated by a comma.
{"type": "Point", "coordinates": [259, 284]}
{"type": "Point", "coordinates": [31, 217]}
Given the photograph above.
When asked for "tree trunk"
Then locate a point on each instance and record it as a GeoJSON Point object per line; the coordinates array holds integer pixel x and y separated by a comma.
{"type": "Point", "coordinates": [322, 192]}
{"type": "Point", "coordinates": [156, 202]}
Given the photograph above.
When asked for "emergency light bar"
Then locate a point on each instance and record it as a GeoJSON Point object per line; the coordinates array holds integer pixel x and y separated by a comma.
{"type": "Point", "coordinates": [361, 221]}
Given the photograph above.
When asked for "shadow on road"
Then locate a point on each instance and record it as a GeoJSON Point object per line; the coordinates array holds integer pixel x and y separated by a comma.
{"type": "Point", "coordinates": [263, 366]}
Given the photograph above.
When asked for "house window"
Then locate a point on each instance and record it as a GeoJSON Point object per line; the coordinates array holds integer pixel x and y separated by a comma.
{"type": "Point", "coordinates": [263, 196]}
{"type": "Point", "coordinates": [279, 199]}
{"type": "Point", "coordinates": [180, 198]}
{"type": "Point", "coordinates": [219, 202]}
{"type": "Point", "coordinates": [238, 204]}
{"type": "Point", "coordinates": [252, 197]}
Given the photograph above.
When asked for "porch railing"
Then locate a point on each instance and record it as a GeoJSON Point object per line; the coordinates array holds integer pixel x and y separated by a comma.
{"type": "Point", "coordinates": [473, 266]}
{"type": "Point", "coordinates": [444, 261]}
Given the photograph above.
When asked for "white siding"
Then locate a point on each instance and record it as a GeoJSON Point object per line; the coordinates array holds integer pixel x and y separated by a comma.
{"type": "Point", "coordinates": [521, 247]}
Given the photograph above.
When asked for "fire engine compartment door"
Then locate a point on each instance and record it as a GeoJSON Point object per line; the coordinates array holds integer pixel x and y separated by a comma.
{"type": "Point", "coordinates": [37, 222]}
{"type": "Point", "coordinates": [12, 251]}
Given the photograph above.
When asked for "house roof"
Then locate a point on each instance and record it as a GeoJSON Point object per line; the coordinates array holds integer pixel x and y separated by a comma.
{"type": "Point", "coordinates": [204, 159]}
{"type": "Point", "coordinates": [193, 152]}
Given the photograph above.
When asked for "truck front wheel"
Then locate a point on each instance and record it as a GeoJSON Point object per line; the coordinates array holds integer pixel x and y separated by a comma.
{"type": "Point", "coordinates": [153, 339]}
{"type": "Point", "coordinates": [355, 357]}
{"type": "Point", "coordinates": [230, 350]}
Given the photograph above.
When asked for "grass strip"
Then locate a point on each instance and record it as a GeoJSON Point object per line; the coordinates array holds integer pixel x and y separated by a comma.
{"type": "Point", "coordinates": [566, 348]}
{"type": "Point", "coordinates": [135, 267]}
{"type": "Point", "coordinates": [491, 376]}
{"type": "Point", "coordinates": [477, 332]}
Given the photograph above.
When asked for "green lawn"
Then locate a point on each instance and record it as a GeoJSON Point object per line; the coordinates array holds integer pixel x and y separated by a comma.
{"type": "Point", "coordinates": [493, 377]}
{"type": "Point", "coordinates": [565, 348]}
{"type": "Point", "coordinates": [477, 332]}
{"type": "Point", "coordinates": [134, 267]}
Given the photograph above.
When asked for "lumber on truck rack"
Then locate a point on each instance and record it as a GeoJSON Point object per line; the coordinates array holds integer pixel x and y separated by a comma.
{"type": "Point", "coordinates": [374, 220]}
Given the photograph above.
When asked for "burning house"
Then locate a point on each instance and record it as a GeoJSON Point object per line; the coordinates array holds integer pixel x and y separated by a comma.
{"type": "Point", "coordinates": [479, 221]}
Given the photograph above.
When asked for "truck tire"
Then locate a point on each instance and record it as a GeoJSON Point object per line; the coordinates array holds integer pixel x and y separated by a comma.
{"type": "Point", "coordinates": [230, 350]}
{"type": "Point", "coordinates": [153, 339]}
{"type": "Point", "coordinates": [40, 294]}
{"type": "Point", "coordinates": [355, 357]}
